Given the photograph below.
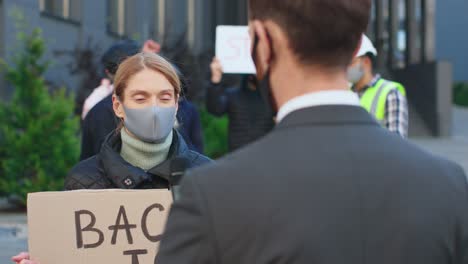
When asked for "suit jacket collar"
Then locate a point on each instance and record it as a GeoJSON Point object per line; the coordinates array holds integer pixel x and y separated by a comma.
{"type": "Point", "coordinates": [328, 115]}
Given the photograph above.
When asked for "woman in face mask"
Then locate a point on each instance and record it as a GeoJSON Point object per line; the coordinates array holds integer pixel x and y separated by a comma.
{"type": "Point", "coordinates": [145, 150]}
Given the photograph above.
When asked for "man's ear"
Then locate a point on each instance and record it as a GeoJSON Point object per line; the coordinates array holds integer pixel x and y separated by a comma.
{"type": "Point", "coordinates": [118, 107]}
{"type": "Point", "coordinates": [367, 62]}
{"type": "Point", "coordinates": [263, 49]}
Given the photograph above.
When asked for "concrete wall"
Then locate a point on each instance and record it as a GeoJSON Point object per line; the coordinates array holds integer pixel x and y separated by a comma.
{"type": "Point", "coordinates": [9, 30]}
{"type": "Point", "coordinates": [429, 88]}
{"type": "Point", "coordinates": [59, 35]}
{"type": "Point", "coordinates": [451, 35]}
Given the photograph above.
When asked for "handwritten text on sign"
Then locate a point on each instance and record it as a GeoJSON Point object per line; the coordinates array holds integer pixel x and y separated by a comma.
{"type": "Point", "coordinates": [105, 226]}
{"type": "Point", "coordinates": [121, 224]}
{"type": "Point", "coordinates": [233, 49]}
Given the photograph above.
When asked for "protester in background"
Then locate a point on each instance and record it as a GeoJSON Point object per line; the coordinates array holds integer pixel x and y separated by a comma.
{"type": "Point", "coordinates": [328, 185]}
{"type": "Point", "coordinates": [101, 119]}
{"type": "Point", "coordinates": [248, 118]}
{"type": "Point", "coordinates": [98, 94]}
{"type": "Point", "coordinates": [385, 100]}
{"type": "Point", "coordinates": [151, 46]}
{"type": "Point", "coordinates": [189, 125]}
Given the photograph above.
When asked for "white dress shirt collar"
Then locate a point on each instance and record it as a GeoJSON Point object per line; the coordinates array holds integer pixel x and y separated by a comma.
{"type": "Point", "coordinates": [336, 97]}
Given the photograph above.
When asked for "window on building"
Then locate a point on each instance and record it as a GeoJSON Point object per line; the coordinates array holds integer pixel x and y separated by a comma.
{"type": "Point", "coordinates": [121, 18]}
{"type": "Point", "coordinates": [157, 24]}
{"type": "Point", "coordinates": [400, 51]}
{"type": "Point", "coordinates": [64, 9]}
{"type": "Point", "coordinates": [191, 22]}
{"type": "Point", "coordinates": [419, 27]}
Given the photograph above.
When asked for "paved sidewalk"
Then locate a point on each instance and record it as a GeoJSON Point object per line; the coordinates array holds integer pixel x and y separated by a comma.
{"type": "Point", "coordinates": [13, 235]}
{"type": "Point", "coordinates": [454, 148]}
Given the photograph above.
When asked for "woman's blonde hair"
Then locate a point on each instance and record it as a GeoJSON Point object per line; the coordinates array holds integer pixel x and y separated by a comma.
{"type": "Point", "coordinates": [139, 62]}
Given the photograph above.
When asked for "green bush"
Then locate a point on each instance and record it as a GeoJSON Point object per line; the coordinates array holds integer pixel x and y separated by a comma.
{"type": "Point", "coordinates": [215, 132]}
{"type": "Point", "coordinates": [38, 133]}
{"type": "Point", "coordinates": [460, 94]}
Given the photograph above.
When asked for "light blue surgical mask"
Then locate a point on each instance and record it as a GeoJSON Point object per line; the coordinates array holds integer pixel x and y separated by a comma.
{"type": "Point", "coordinates": [355, 73]}
{"type": "Point", "coordinates": [150, 124]}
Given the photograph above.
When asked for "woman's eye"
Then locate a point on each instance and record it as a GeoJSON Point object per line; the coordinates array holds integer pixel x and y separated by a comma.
{"type": "Point", "coordinates": [166, 97]}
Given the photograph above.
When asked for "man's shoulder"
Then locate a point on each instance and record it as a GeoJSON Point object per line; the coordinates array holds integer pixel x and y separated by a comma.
{"type": "Point", "coordinates": [453, 172]}
{"type": "Point", "coordinates": [423, 164]}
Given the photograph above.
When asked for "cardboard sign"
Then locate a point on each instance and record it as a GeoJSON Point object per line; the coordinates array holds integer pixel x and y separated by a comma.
{"type": "Point", "coordinates": [93, 227]}
{"type": "Point", "coordinates": [233, 49]}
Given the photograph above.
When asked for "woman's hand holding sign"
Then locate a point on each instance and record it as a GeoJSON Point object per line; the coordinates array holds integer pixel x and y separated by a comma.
{"type": "Point", "coordinates": [23, 258]}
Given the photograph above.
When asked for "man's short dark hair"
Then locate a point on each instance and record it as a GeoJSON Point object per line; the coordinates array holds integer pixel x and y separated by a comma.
{"type": "Point", "coordinates": [323, 32]}
{"type": "Point", "coordinates": [118, 53]}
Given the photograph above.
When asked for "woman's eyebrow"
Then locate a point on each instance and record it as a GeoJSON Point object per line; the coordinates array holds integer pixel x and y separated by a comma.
{"type": "Point", "coordinates": [167, 91]}
{"type": "Point", "coordinates": [135, 92]}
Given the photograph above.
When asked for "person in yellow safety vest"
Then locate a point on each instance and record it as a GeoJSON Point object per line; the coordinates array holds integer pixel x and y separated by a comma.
{"type": "Point", "coordinates": [384, 99]}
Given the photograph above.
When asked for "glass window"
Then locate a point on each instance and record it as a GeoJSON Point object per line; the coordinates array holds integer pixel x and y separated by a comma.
{"type": "Point", "coordinates": [420, 25]}
{"type": "Point", "coordinates": [372, 22]}
{"type": "Point", "coordinates": [384, 42]}
{"type": "Point", "coordinates": [131, 29]}
{"type": "Point", "coordinates": [400, 53]}
{"type": "Point", "coordinates": [157, 19]}
{"type": "Point", "coordinates": [121, 18]}
{"type": "Point", "coordinates": [115, 18]}
{"type": "Point", "coordinates": [74, 10]}
{"type": "Point", "coordinates": [191, 22]}
{"type": "Point", "coordinates": [65, 9]}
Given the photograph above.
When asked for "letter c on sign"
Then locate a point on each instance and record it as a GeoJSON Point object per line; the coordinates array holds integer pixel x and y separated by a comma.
{"type": "Point", "coordinates": [144, 223]}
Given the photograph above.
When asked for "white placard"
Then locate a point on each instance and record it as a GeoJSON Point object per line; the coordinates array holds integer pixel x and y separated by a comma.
{"type": "Point", "coordinates": [233, 49]}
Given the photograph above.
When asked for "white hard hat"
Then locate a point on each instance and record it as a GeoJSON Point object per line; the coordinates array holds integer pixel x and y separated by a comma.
{"type": "Point", "coordinates": [366, 47]}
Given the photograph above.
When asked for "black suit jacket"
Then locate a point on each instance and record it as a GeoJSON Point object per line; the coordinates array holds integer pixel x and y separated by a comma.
{"type": "Point", "coordinates": [328, 185]}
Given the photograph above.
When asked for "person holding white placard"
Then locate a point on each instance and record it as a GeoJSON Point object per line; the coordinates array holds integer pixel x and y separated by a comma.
{"type": "Point", "coordinates": [248, 116]}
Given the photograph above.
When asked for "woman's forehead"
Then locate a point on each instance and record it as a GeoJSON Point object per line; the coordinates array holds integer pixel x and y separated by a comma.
{"type": "Point", "coordinates": [149, 81]}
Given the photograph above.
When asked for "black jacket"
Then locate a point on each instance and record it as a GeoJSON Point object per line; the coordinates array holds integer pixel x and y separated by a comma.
{"type": "Point", "coordinates": [98, 123]}
{"type": "Point", "coordinates": [248, 118]}
{"type": "Point", "coordinates": [108, 170]}
{"type": "Point", "coordinates": [101, 120]}
{"type": "Point", "coordinates": [327, 185]}
{"type": "Point", "coordinates": [190, 125]}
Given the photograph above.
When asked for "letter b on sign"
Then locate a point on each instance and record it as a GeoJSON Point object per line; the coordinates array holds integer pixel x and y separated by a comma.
{"type": "Point", "coordinates": [89, 228]}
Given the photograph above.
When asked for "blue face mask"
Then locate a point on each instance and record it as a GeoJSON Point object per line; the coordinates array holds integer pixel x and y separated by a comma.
{"type": "Point", "coordinates": [151, 124]}
{"type": "Point", "coordinates": [355, 73]}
